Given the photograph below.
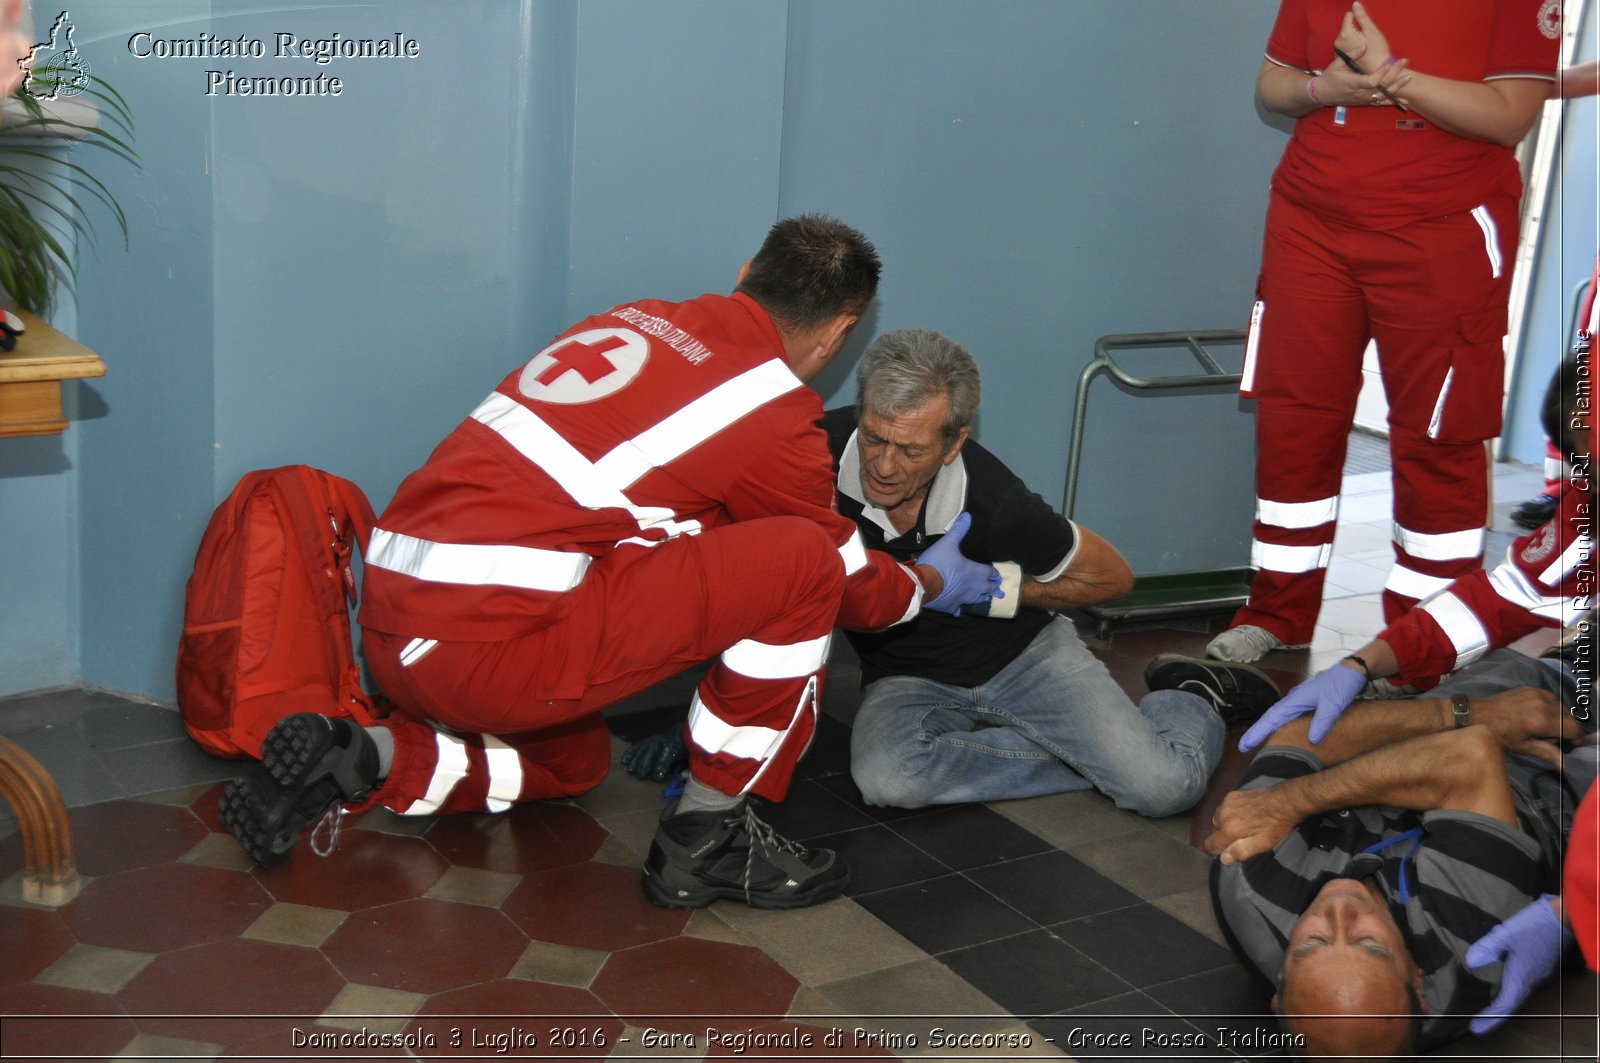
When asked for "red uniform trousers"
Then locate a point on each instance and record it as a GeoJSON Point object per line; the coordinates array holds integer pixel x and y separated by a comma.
{"type": "Point", "coordinates": [1433, 295]}
{"type": "Point", "coordinates": [475, 733]}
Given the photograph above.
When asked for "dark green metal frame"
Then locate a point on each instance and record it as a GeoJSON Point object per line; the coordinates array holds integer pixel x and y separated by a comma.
{"type": "Point", "coordinates": [1167, 594]}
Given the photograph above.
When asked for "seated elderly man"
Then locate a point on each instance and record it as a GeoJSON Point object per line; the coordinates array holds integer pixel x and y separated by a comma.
{"type": "Point", "coordinates": [1004, 700]}
{"type": "Point", "coordinates": [1354, 875]}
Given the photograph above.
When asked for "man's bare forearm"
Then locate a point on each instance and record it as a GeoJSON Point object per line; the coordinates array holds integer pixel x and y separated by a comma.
{"type": "Point", "coordinates": [1368, 725]}
{"type": "Point", "coordinates": [1454, 769]}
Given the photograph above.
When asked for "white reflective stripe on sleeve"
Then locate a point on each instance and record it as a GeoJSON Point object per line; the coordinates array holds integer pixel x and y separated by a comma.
{"type": "Point", "coordinates": [1554, 468]}
{"type": "Point", "coordinates": [505, 774]}
{"type": "Point", "coordinates": [760, 660]}
{"type": "Point", "coordinates": [915, 605]}
{"type": "Point", "coordinates": [1410, 583]}
{"type": "Point", "coordinates": [1491, 239]}
{"type": "Point", "coordinates": [1289, 559]}
{"type": "Point", "coordinates": [695, 423]}
{"type": "Point", "coordinates": [450, 770]}
{"type": "Point", "coordinates": [1512, 584]}
{"type": "Point", "coordinates": [718, 736]}
{"type": "Point", "coordinates": [1298, 514]}
{"type": "Point", "coordinates": [416, 650]}
{"type": "Point", "coordinates": [854, 553]}
{"type": "Point", "coordinates": [1461, 625]}
{"type": "Point", "coordinates": [1578, 551]}
{"type": "Point", "coordinates": [1438, 406]}
{"type": "Point", "coordinates": [1252, 344]}
{"type": "Point", "coordinates": [472, 564]}
{"type": "Point", "coordinates": [1440, 546]}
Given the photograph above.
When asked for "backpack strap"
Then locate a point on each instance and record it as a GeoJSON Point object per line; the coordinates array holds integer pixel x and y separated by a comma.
{"type": "Point", "coordinates": [342, 519]}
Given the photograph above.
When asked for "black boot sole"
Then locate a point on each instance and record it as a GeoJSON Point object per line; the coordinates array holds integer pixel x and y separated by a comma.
{"type": "Point", "coordinates": [304, 772]}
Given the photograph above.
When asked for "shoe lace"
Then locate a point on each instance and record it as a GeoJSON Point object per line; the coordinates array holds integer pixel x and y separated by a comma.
{"type": "Point", "coordinates": [332, 822]}
{"type": "Point", "coordinates": [762, 835]}
{"type": "Point", "coordinates": [1204, 690]}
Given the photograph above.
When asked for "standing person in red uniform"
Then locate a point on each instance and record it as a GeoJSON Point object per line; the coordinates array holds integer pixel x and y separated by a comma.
{"type": "Point", "coordinates": [647, 492]}
{"type": "Point", "coordinates": [1393, 217]}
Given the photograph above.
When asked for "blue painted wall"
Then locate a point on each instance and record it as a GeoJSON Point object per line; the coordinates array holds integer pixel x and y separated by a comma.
{"type": "Point", "coordinates": [338, 280]}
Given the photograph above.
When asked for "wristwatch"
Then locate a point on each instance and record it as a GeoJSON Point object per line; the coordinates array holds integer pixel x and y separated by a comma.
{"type": "Point", "coordinates": [1461, 707]}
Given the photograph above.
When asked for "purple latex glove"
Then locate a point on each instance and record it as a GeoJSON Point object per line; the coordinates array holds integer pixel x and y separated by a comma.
{"type": "Point", "coordinates": [1328, 693]}
{"type": "Point", "coordinates": [966, 582]}
{"type": "Point", "coordinates": [1528, 945]}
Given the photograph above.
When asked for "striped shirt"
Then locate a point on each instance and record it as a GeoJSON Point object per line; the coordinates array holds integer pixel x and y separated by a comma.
{"type": "Point", "coordinates": [1467, 874]}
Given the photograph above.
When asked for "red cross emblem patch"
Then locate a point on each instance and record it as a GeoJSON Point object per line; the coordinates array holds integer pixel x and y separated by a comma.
{"type": "Point", "coordinates": [585, 366]}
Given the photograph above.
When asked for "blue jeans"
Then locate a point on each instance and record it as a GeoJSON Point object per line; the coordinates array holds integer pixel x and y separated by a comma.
{"type": "Point", "coordinates": [1052, 720]}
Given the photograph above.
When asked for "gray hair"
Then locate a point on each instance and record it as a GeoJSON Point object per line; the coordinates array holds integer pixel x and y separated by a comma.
{"type": "Point", "coordinates": [905, 369]}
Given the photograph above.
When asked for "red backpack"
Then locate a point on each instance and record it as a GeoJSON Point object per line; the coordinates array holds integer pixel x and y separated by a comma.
{"type": "Point", "coordinates": [266, 616]}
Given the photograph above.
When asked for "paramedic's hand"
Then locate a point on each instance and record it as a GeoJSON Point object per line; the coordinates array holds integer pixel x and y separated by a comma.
{"type": "Point", "coordinates": [1328, 694]}
{"type": "Point", "coordinates": [966, 582]}
{"type": "Point", "coordinates": [1528, 945]}
{"type": "Point", "coordinates": [658, 757]}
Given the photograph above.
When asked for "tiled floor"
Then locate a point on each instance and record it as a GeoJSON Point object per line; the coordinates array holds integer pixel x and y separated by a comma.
{"type": "Point", "coordinates": [1036, 927]}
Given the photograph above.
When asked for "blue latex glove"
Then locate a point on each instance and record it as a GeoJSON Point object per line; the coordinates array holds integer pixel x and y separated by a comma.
{"type": "Point", "coordinates": [966, 582]}
{"type": "Point", "coordinates": [1529, 945]}
{"type": "Point", "coordinates": [1328, 693]}
{"type": "Point", "coordinates": [657, 757]}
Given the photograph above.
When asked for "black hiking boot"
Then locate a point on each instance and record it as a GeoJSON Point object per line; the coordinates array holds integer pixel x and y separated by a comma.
{"type": "Point", "coordinates": [700, 857]}
{"type": "Point", "coordinates": [311, 765]}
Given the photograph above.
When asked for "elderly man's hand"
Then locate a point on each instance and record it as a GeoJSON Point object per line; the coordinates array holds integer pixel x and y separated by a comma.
{"type": "Point", "coordinates": [1251, 822]}
{"type": "Point", "coordinates": [1527, 720]}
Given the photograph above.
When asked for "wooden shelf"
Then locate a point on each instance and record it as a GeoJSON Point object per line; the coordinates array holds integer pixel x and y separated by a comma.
{"type": "Point", "coordinates": [31, 376]}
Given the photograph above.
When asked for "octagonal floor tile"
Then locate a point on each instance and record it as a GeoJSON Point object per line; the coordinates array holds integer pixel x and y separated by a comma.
{"type": "Point", "coordinates": [31, 939]}
{"type": "Point", "coordinates": [516, 1017]}
{"type": "Point", "coordinates": [135, 909]}
{"type": "Point", "coordinates": [123, 835]}
{"type": "Point", "coordinates": [64, 1023]}
{"type": "Point", "coordinates": [368, 869]}
{"type": "Point", "coordinates": [227, 991]}
{"type": "Point", "coordinates": [673, 984]}
{"type": "Point", "coordinates": [425, 946]}
{"type": "Point", "coordinates": [530, 837]}
{"type": "Point", "coordinates": [591, 906]}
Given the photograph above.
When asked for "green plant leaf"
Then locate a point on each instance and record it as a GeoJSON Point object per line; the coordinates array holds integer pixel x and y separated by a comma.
{"type": "Point", "coordinates": [35, 205]}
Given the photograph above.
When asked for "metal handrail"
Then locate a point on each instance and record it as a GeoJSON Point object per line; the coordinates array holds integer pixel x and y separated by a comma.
{"type": "Point", "coordinates": [1213, 376]}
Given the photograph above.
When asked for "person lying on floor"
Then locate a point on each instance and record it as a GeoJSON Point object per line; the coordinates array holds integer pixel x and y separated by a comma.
{"type": "Point", "coordinates": [1003, 700]}
{"type": "Point", "coordinates": [1353, 876]}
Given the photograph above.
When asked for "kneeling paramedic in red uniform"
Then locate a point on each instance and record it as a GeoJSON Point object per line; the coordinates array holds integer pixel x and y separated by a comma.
{"type": "Point", "coordinates": [647, 492]}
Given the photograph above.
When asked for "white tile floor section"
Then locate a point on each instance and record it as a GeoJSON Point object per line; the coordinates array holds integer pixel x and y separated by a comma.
{"type": "Point", "coordinates": [1351, 611]}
